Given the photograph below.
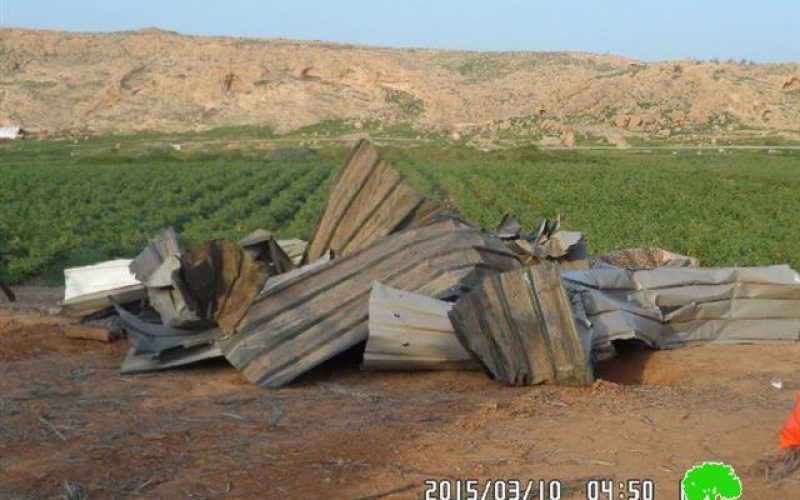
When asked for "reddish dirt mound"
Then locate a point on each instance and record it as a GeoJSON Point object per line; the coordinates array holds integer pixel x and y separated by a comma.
{"type": "Point", "coordinates": [67, 415]}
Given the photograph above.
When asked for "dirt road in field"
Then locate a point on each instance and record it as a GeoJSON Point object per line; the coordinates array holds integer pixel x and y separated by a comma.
{"type": "Point", "coordinates": [67, 415]}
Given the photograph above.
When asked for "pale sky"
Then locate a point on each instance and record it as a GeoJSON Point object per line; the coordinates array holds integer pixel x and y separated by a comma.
{"type": "Point", "coordinates": [764, 31]}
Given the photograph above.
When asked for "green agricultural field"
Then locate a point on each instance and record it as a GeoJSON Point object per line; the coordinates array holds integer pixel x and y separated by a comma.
{"type": "Point", "coordinates": [67, 204]}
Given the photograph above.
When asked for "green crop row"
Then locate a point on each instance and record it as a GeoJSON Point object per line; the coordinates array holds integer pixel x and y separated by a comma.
{"type": "Point", "coordinates": [63, 205]}
{"type": "Point", "coordinates": [58, 212]}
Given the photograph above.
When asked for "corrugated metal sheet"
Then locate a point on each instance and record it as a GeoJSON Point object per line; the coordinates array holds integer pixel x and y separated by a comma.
{"type": "Point", "coordinates": [673, 306]}
{"type": "Point", "coordinates": [93, 287]}
{"type": "Point", "coordinates": [521, 326]}
{"type": "Point", "coordinates": [101, 277]}
{"type": "Point", "coordinates": [409, 331]}
{"type": "Point", "coordinates": [368, 201]}
{"type": "Point", "coordinates": [301, 322]}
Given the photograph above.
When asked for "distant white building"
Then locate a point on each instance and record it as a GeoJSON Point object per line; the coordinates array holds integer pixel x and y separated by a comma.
{"type": "Point", "coordinates": [12, 132]}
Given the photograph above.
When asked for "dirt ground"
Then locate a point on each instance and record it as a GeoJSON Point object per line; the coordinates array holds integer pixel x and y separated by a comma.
{"type": "Point", "coordinates": [68, 419]}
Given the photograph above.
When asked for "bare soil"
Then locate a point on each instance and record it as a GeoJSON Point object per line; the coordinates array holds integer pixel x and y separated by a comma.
{"type": "Point", "coordinates": [67, 415]}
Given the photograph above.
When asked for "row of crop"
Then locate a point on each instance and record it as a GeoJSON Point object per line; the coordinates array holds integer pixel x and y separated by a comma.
{"type": "Point", "coordinates": [726, 211]}
{"type": "Point", "coordinates": [56, 214]}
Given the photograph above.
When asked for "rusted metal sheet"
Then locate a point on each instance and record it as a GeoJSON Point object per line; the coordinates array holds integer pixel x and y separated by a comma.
{"type": "Point", "coordinates": [369, 200]}
{"type": "Point", "coordinates": [520, 325]}
{"type": "Point", "coordinates": [409, 331]}
{"type": "Point", "coordinates": [221, 278]}
{"type": "Point", "coordinates": [303, 321]}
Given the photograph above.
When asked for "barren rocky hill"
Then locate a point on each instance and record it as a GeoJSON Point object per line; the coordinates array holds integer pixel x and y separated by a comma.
{"type": "Point", "coordinates": [55, 82]}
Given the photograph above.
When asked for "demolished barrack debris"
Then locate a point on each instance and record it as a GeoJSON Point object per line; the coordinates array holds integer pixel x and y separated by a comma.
{"type": "Point", "coordinates": [388, 278]}
{"type": "Point", "coordinates": [301, 322]}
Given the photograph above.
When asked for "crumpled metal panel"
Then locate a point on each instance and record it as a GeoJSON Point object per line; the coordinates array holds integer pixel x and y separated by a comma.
{"type": "Point", "coordinates": [521, 326]}
{"type": "Point", "coordinates": [157, 250]}
{"type": "Point", "coordinates": [211, 280]}
{"type": "Point", "coordinates": [263, 247]}
{"type": "Point", "coordinates": [153, 339]}
{"type": "Point", "coordinates": [222, 278]}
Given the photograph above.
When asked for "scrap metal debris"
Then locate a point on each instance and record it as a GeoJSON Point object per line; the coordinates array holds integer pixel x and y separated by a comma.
{"type": "Point", "coordinates": [388, 280]}
{"type": "Point", "coordinates": [151, 338]}
{"type": "Point", "coordinates": [93, 287]}
{"type": "Point", "coordinates": [158, 267]}
{"type": "Point", "coordinates": [549, 243]}
{"type": "Point", "coordinates": [222, 278]}
{"type": "Point", "coordinates": [263, 247]}
{"type": "Point", "coordinates": [295, 249]}
{"type": "Point", "coordinates": [670, 307]}
{"type": "Point", "coordinates": [301, 322]}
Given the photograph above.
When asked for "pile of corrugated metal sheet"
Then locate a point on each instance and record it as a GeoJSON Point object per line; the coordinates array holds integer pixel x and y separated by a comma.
{"type": "Point", "coordinates": [669, 307]}
{"type": "Point", "coordinates": [301, 322]}
{"type": "Point", "coordinates": [391, 281]}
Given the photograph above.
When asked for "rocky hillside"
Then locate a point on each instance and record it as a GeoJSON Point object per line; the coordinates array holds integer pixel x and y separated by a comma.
{"type": "Point", "coordinates": [54, 82]}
